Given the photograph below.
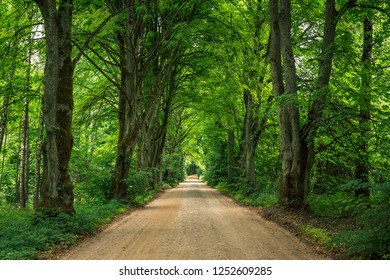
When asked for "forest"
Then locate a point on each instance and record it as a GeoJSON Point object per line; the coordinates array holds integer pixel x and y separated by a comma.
{"type": "Point", "coordinates": [282, 105]}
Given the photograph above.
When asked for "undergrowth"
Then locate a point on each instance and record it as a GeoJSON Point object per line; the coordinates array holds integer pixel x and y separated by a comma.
{"type": "Point", "coordinates": [23, 234]}
{"type": "Point", "coordinates": [355, 227]}
{"type": "Point", "coordinates": [255, 199]}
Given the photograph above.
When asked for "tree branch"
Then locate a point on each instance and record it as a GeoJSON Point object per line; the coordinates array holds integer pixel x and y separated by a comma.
{"type": "Point", "coordinates": [89, 40]}
{"type": "Point", "coordinates": [363, 6]}
{"type": "Point", "coordinates": [350, 4]}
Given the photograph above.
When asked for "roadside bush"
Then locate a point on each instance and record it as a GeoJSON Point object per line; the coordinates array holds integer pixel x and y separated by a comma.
{"type": "Point", "coordinates": [339, 203]}
{"type": "Point", "coordinates": [139, 184]}
{"type": "Point", "coordinates": [96, 189]}
{"type": "Point", "coordinates": [173, 167]}
{"type": "Point", "coordinates": [256, 199]}
{"type": "Point", "coordinates": [336, 205]}
{"type": "Point", "coordinates": [370, 239]}
{"type": "Point", "coordinates": [24, 235]}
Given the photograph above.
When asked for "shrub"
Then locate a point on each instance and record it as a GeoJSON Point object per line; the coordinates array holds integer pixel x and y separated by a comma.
{"type": "Point", "coordinates": [336, 205]}
{"type": "Point", "coordinates": [371, 238]}
{"type": "Point", "coordinates": [257, 199]}
{"type": "Point", "coordinates": [23, 235]}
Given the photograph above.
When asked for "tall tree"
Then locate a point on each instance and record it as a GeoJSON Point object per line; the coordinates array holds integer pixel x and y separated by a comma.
{"type": "Point", "coordinates": [321, 95]}
{"type": "Point", "coordinates": [148, 52]}
{"type": "Point", "coordinates": [24, 157]}
{"type": "Point", "coordinates": [285, 90]}
{"type": "Point", "coordinates": [362, 167]}
{"type": "Point", "coordinates": [57, 187]}
{"type": "Point", "coordinates": [3, 119]}
{"type": "Point", "coordinates": [38, 159]}
{"type": "Point", "coordinates": [24, 147]}
{"type": "Point", "coordinates": [297, 173]}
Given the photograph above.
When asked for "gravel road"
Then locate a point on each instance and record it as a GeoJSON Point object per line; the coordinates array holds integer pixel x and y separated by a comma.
{"type": "Point", "coordinates": [192, 222]}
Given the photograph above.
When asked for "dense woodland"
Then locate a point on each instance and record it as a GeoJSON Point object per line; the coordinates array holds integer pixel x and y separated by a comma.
{"type": "Point", "coordinates": [104, 103]}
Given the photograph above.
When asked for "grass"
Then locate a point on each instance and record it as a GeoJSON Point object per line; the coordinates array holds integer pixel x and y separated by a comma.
{"type": "Point", "coordinates": [320, 235]}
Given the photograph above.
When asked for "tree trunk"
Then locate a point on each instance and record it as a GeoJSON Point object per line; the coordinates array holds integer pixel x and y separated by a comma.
{"type": "Point", "coordinates": [17, 173]}
{"type": "Point", "coordinates": [24, 159]}
{"type": "Point", "coordinates": [7, 98]}
{"type": "Point", "coordinates": [141, 101]}
{"type": "Point", "coordinates": [320, 97]}
{"type": "Point", "coordinates": [230, 154]}
{"type": "Point", "coordinates": [128, 43]}
{"type": "Point", "coordinates": [153, 135]}
{"type": "Point", "coordinates": [3, 153]}
{"type": "Point", "coordinates": [38, 162]}
{"type": "Point", "coordinates": [309, 130]}
{"type": "Point", "coordinates": [3, 119]}
{"type": "Point", "coordinates": [291, 192]}
{"type": "Point", "coordinates": [362, 166]}
{"type": "Point", "coordinates": [57, 189]}
{"type": "Point", "coordinates": [24, 149]}
{"type": "Point", "coordinates": [3, 134]}
{"type": "Point", "coordinates": [128, 131]}
{"type": "Point", "coordinates": [250, 143]}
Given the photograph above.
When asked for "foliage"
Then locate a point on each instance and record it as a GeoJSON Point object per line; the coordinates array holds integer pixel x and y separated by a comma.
{"type": "Point", "coordinates": [222, 53]}
{"type": "Point", "coordinates": [192, 168]}
{"type": "Point", "coordinates": [24, 235]}
{"type": "Point", "coordinates": [336, 205]}
{"type": "Point", "coordinates": [173, 167]}
{"type": "Point", "coordinates": [139, 184]}
{"type": "Point", "coordinates": [370, 238]}
{"type": "Point", "coordinates": [256, 199]}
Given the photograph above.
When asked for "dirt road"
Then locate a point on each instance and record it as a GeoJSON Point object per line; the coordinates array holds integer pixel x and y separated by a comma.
{"type": "Point", "coordinates": [192, 221]}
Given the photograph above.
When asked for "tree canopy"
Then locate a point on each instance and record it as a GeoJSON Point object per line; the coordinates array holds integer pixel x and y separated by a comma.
{"type": "Point", "coordinates": [273, 102]}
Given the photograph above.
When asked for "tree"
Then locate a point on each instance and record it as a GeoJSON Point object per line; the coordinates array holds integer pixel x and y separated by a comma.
{"type": "Point", "coordinates": [285, 90]}
{"type": "Point", "coordinates": [24, 148]}
{"type": "Point", "coordinates": [149, 49]}
{"type": "Point", "coordinates": [300, 148]}
{"type": "Point", "coordinates": [362, 167]}
{"type": "Point", "coordinates": [57, 187]}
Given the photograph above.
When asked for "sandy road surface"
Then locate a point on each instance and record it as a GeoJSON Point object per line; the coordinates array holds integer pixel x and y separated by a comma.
{"type": "Point", "coordinates": [192, 221]}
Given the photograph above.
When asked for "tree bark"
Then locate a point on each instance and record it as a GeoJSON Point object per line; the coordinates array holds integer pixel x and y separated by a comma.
{"type": "Point", "coordinates": [24, 149]}
{"type": "Point", "coordinates": [253, 129]}
{"type": "Point", "coordinates": [3, 153]}
{"type": "Point", "coordinates": [128, 99]}
{"type": "Point", "coordinates": [3, 119]}
{"type": "Point", "coordinates": [285, 89]}
{"type": "Point", "coordinates": [320, 97]}
{"type": "Point", "coordinates": [230, 154]}
{"type": "Point", "coordinates": [57, 189]}
{"type": "Point", "coordinates": [6, 102]}
{"type": "Point", "coordinates": [24, 159]}
{"type": "Point", "coordinates": [362, 165]}
{"type": "Point", "coordinates": [38, 155]}
{"type": "Point", "coordinates": [141, 102]}
{"type": "Point", "coordinates": [7, 99]}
